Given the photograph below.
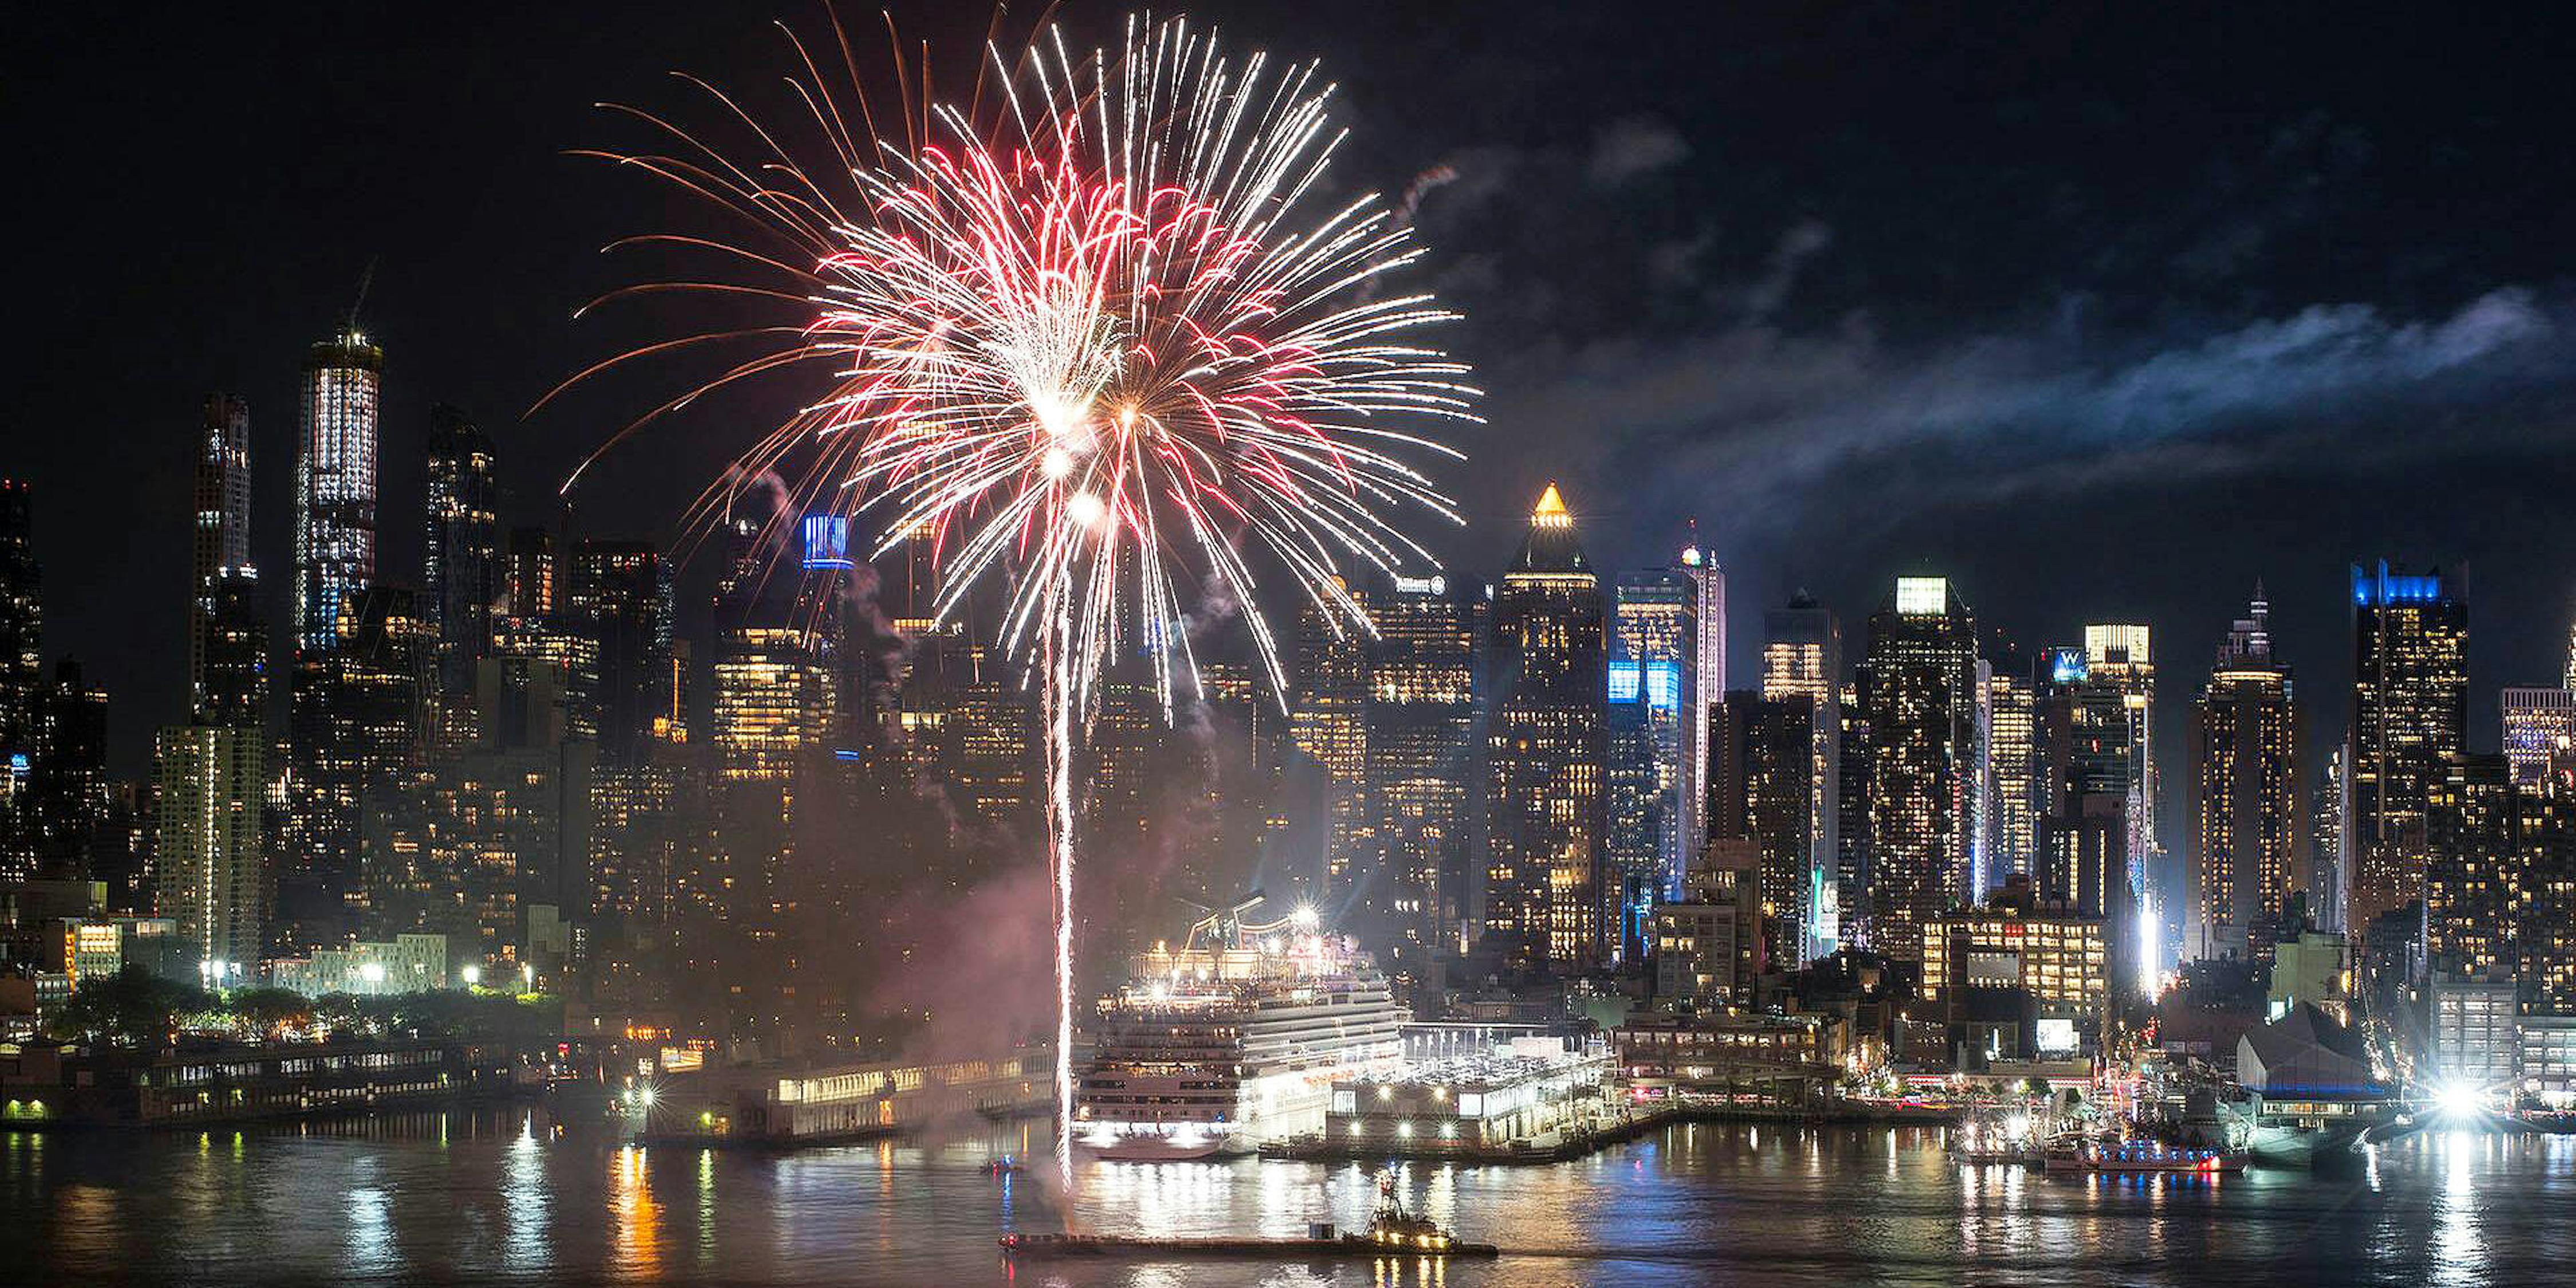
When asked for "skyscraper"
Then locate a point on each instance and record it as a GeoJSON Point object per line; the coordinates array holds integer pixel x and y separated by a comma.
{"type": "Point", "coordinates": [2539, 734]}
{"type": "Point", "coordinates": [460, 551]}
{"type": "Point", "coordinates": [618, 595]}
{"type": "Point", "coordinates": [206, 861]}
{"type": "Point", "coordinates": [1328, 718]}
{"type": "Point", "coordinates": [776, 705]}
{"type": "Point", "coordinates": [1707, 682]}
{"type": "Point", "coordinates": [1642, 746]}
{"type": "Point", "coordinates": [1802, 656]}
{"type": "Point", "coordinates": [1545, 747]}
{"type": "Point", "coordinates": [2476, 887]}
{"type": "Point", "coordinates": [528, 575]}
{"type": "Point", "coordinates": [617, 601]}
{"type": "Point", "coordinates": [1853, 863]}
{"type": "Point", "coordinates": [1422, 717]}
{"type": "Point", "coordinates": [1918, 692]}
{"type": "Point", "coordinates": [1654, 626]}
{"type": "Point", "coordinates": [1762, 791]}
{"type": "Point", "coordinates": [2088, 774]}
{"type": "Point", "coordinates": [68, 792]}
{"type": "Point", "coordinates": [2121, 657]}
{"type": "Point", "coordinates": [220, 543]}
{"type": "Point", "coordinates": [2012, 765]}
{"type": "Point", "coordinates": [335, 492]}
{"type": "Point", "coordinates": [2545, 935]}
{"type": "Point", "coordinates": [22, 627]}
{"type": "Point", "coordinates": [229, 647]}
{"type": "Point", "coordinates": [2409, 710]}
{"type": "Point", "coordinates": [22, 679]}
{"type": "Point", "coordinates": [356, 729]}
{"type": "Point", "coordinates": [2329, 875]}
{"type": "Point", "coordinates": [2248, 835]}
{"type": "Point", "coordinates": [222, 535]}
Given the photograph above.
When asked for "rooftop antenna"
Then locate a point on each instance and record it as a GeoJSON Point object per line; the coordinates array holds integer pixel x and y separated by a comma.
{"type": "Point", "coordinates": [366, 279]}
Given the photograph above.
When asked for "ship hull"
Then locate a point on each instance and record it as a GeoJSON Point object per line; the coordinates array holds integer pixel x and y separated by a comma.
{"type": "Point", "coordinates": [1102, 1245]}
{"type": "Point", "coordinates": [1164, 1149]}
{"type": "Point", "coordinates": [2297, 1146]}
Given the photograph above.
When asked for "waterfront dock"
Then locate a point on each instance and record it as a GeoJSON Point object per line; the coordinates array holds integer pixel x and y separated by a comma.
{"type": "Point", "coordinates": [1595, 1135]}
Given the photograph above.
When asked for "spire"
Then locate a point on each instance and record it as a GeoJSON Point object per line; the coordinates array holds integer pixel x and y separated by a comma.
{"type": "Point", "coordinates": [1551, 511]}
{"type": "Point", "coordinates": [1551, 547]}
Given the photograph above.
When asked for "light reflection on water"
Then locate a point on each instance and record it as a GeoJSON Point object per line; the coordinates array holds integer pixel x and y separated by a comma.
{"type": "Point", "coordinates": [507, 1196]}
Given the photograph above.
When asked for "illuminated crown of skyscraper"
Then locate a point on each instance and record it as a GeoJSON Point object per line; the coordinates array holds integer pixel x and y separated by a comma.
{"type": "Point", "coordinates": [1551, 546]}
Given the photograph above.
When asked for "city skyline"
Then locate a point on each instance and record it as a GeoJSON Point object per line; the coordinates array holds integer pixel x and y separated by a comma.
{"type": "Point", "coordinates": [478, 316]}
{"type": "Point", "coordinates": [956, 640]}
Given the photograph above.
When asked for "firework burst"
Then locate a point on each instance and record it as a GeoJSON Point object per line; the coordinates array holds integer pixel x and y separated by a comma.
{"type": "Point", "coordinates": [1102, 343]}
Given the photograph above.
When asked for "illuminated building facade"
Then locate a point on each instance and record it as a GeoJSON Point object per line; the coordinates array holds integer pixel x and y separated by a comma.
{"type": "Point", "coordinates": [1708, 945]}
{"type": "Point", "coordinates": [1328, 717]}
{"type": "Point", "coordinates": [2409, 710]}
{"type": "Point", "coordinates": [1802, 656]}
{"type": "Point", "coordinates": [335, 491]}
{"type": "Point", "coordinates": [1655, 630]}
{"type": "Point", "coordinates": [2248, 843]}
{"type": "Point", "coordinates": [229, 651]}
{"type": "Point", "coordinates": [616, 599]}
{"type": "Point", "coordinates": [1131, 772]}
{"type": "Point", "coordinates": [1707, 667]}
{"type": "Point", "coordinates": [219, 546]}
{"type": "Point", "coordinates": [1762, 793]}
{"type": "Point", "coordinates": [528, 576]}
{"type": "Point", "coordinates": [1641, 840]}
{"type": "Point", "coordinates": [2013, 787]}
{"type": "Point", "coordinates": [2476, 885]}
{"type": "Point", "coordinates": [1852, 820]}
{"type": "Point", "coordinates": [2122, 658]}
{"type": "Point", "coordinates": [2540, 735]}
{"type": "Point", "coordinates": [206, 863]}
{"type": "Point", "coordinates": [1422, 717]}
{"type": "Point", "coordinates": [22, 674]}
{"type": "Point", "coordinates": [2329, 875]}
{"type": "Point", "coordinates": [2056, 957]}
{"type": "Point", "coordinates": [357, 731]}
{"type": "Point", "coordinates": [460, 560]}
{"type": "Point", "coordinates": [2086, 768]}
{"type": "Point", "coordinates": [2545, 837]}
{"type": "Point", "coordinates": [67, 794]}
{"type": "Point", "coordinates": [1918, 694]}
{"type": "Point", "coordinates": [618, 596]}
{"type": "Point", "coordinates": [776, 705]}
{"type": "Point", "coordinates": [1545, 748]}
{"type": "Point", "coordinates": [480, 843]}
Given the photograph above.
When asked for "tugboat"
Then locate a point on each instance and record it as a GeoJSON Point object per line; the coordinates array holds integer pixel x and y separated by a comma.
{"type": "Point", "coordinates": [1392, 1232]}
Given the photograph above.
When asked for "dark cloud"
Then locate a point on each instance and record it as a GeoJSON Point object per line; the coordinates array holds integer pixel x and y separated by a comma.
{"type": "Point", "coordinates": [1634, 146]}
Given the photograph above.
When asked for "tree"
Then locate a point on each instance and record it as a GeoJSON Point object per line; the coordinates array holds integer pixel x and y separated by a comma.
{"type": "Point", "coordinates": [131, 1008]}
{"type": "Point", "coordinates": [263, 1011]}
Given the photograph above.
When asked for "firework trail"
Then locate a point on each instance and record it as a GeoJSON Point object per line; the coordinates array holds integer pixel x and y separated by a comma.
{"type": "Point", "coordinates": [1096, 338]}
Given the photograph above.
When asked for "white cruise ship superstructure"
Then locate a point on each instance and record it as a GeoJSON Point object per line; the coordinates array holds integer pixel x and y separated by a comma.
{"type": "Point", "coordinates": [1234, 1039]}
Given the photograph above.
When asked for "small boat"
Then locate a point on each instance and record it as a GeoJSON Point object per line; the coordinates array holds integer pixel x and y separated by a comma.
{"type": "Point", "coordinates": [2140, 1157]}
{"type": "Point", "coordinates": [1393, 1232]}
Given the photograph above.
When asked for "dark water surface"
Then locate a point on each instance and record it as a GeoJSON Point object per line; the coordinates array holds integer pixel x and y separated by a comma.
{"type": "Point", "coordinates": [506, 1196]}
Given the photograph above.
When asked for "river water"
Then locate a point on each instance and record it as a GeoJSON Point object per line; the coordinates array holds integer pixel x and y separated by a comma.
{"type": "Point", "coordinates": [507, 1196]}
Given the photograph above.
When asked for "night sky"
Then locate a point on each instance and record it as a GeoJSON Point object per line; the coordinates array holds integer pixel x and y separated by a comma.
{"type": "Point", "coordinates": [2104, 311]}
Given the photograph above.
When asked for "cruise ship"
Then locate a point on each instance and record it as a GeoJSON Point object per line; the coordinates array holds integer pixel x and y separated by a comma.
{"type": "Point", "coordinates": [1234, 1039]}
